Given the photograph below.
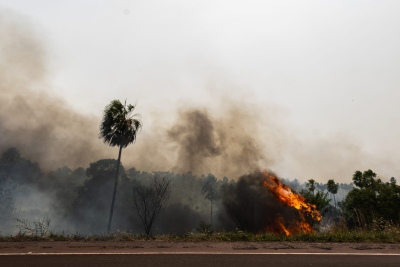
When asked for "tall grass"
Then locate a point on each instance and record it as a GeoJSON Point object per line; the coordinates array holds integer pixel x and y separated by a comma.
{"type": "Point", "coordinates": [390, 235]}
{"type": "Point", "coordinates": [378, 230]}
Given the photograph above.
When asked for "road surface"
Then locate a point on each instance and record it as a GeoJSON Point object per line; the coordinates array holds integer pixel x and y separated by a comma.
{"type": "Point", "coordinates": [193, 254]}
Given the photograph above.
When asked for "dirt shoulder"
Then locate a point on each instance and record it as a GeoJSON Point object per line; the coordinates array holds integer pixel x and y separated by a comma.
{"type": "Point", "coordinates": [194, 247]}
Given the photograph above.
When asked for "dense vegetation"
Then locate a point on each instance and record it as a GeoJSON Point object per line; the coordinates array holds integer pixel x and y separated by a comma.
{"type": "Point", "coordinates": [74, 205]}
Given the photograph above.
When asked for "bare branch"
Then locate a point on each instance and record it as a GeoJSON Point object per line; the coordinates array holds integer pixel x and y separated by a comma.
{"type": "Point", "coordinates": [150, 200]}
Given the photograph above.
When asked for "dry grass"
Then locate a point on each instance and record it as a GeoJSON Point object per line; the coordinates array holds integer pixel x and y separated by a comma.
{"type": "Point", "coordinates": [389, 235]}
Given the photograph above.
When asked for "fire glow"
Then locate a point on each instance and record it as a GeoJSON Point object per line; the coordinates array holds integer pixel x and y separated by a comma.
{"type": "Point", "coordinates": [285, 196]}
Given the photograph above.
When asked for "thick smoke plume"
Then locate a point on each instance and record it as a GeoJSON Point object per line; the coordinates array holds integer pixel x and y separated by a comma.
{"type": "Point", "coordinates": [41, 125]}
{"type": "Point", "coordinates": [253, 208]}
{"type": "Point", "coordinates": [44, 128]}
{"type": "Point", "coordinates": [233, 140]}
{"type": "Point", "coordinates": [236, 138]}
{"type": "Point", "coordinates": [231, 144]}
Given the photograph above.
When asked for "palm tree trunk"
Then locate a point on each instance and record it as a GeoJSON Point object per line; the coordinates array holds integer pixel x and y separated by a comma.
{"type": "Point", "coordinates": [334, 199]}
{"type": "Point", "coordinates": [211, 211]}
{"type": "Point", "coordinates": [115, 190]}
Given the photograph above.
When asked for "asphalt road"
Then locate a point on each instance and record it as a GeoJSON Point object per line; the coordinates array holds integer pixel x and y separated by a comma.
{"type": "Point", "coordinates": [194, 260]}
{"type": "Point", "coordinates": [192, 254]}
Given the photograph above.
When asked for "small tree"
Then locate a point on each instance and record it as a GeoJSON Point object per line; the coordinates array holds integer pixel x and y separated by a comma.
{"type": "Point", "coordinates": [118, 128]}
{"type": "Point", "coordinates": [333, 189]}
{"type": "Point", "coordinates": [311, 185]}
{"type": "Point", "coordinates": [39, 228]}
{"type": "Point", "coordinates": [150, 200]}
{"type": "Point", "coordinates": [210, 191]}
{"type": "Point", "coordinates": [320, 199]}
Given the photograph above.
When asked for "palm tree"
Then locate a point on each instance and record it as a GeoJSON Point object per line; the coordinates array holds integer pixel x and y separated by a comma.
{"type": "Point", "coordinates": [333, 189]}
{"type": "Point", "coordinates": [118, 128]}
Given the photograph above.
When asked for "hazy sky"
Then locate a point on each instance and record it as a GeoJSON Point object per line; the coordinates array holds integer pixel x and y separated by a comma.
{"type": "Point", "coordinates": [328, 70]}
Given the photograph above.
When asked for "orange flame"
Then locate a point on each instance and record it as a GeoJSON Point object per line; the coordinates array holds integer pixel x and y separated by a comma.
{"type": "Point", "coordinates": [279, 227]}
{"type": "Point", "coordinates": [285, 196]}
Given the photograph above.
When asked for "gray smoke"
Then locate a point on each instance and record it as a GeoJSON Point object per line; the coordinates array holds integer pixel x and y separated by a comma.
{"type": "Point", "coordinates": [230, 144]}
{"type": "Point", "coordinates": [234, 139]}
{"type": "Point", "coordinates": [39, 124]}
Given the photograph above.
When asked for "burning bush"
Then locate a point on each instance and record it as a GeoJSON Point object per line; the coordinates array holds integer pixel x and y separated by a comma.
{"type": "Point", "coordinates": [259, 202]}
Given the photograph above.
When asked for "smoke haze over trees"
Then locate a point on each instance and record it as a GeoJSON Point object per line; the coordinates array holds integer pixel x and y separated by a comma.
{"type": "Point", "coordinates": [40, 124]}
{"type": "Point", "coordinates": [77, 200]}
{"type": "Point", "coordinates": [238, 135]}
{"type": "Point", "coordinates": [52, 163]}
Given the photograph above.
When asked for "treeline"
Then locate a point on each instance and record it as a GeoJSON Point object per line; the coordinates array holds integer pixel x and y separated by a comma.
{"type": "Point", "coordinates": [373, 203]}
{"type": "Point", "coordinates": [367, 203]}
{"type": "Point", "coordinates": [79, 200]}
{"type": "Point", "coordinates": [163, 202]}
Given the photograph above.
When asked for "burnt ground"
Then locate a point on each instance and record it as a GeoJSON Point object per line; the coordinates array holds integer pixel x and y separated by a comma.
{"type": "Point", "coordinates": [138, 247]}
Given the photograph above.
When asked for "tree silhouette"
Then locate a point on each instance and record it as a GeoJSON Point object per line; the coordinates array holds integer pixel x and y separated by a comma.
{"type": "Point", "coordinates": [365, 179]}
{"type": "Point", "coordinates": [371, 200]}
{"type": "Point", "coordinates": [311, 185]}
{"type": "Point", "coordinates": [332, 188]}
{"type": "Point", "coordinates": [150, 200]}
{"type": "Point", "coordinates": [118, 128]}
{"type": "Point", "coordinates": [210, 191]}
{"type": "Point", "coordinates": [87, 211]}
